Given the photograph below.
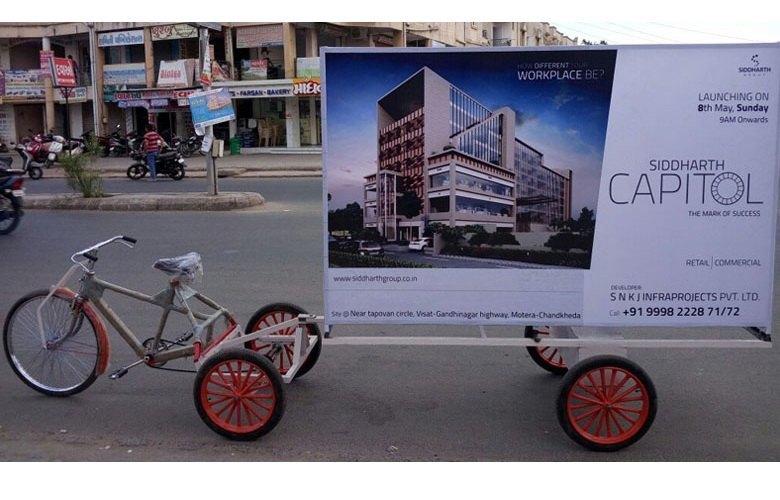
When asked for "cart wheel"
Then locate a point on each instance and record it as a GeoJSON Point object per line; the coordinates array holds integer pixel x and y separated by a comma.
{"type": "Point", "coordinates": [548, 358]}
{"type": "Point", "coordinates": [239, 394]}
{"type": "Point", "coordinates": [606, 403]}
{"type": "Point", "coordinates": [282, 355]}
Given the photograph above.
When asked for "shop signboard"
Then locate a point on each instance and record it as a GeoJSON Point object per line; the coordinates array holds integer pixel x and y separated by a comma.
{"type": "Point", "coordinates": [173, 32]}
{"type": "Point", "coordinates": [307, 87]}
{"type": "Point", "coordinates": [249, 37]}
{"type": "Point", "coordinates": [124, 74]}
{"type": "Point", "coordinates": [274, 90]}
{"type": "Point", "coordinates": [661, 171]}
{"type": "Point", "coordinates": [210, 107]}
{"type": "Point", "coordinates": [119, 38]}
{"type": "Point", "coordinates": [2, 83]}
{"type": "Point", "coordinates": [75, 95]}
{"type": "Point", "coordinates": [62, 72]}
{"type": "Point", "coordinates": [307, 67]}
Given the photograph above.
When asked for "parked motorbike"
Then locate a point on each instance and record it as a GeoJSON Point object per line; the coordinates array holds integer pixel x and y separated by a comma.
{"type": "Point", "coordinates": [190, 146]}
{"type": "Point", "coordinates": [30, 166]}
{"type": "Point", "coordinates": [44, 148]}
{"type": "Point", "coordinates": [170, 162]}
{"type": "Point", "coordinates": [11, 195]}
{"type": "Point", "coordinates": [121, 146]}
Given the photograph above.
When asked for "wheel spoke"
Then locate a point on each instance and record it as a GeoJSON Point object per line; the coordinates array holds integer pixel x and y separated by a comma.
{"type": "Point", "coordinates": [591, 401]}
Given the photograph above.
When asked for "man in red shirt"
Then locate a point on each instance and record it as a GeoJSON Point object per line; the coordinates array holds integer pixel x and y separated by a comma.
{"type": "Point", "coordinates": [152, 144]}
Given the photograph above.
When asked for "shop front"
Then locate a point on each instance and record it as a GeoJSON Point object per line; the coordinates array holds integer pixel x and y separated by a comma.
{"type": "Point", "coordinates": [275, 114]}
{"type": "Point", "coordinates": [167, 109]}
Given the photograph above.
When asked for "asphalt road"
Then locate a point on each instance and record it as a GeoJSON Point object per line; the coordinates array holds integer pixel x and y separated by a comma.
{"type": "Point", "coordinates": [421, 404]}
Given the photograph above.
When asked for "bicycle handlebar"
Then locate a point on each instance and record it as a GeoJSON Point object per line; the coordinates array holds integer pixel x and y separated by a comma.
{"type": "Point", "coordinates": [88, 252]}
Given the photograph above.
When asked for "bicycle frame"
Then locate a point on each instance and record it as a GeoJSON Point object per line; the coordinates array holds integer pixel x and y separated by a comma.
{"type": "Point", "coordinates": [91, 296]}
{"type": "Point", "coordinates": [90, 300]}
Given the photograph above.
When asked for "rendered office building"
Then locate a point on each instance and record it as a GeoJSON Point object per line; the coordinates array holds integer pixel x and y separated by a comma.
{"type": "Point", "coordinates": [454, 156]}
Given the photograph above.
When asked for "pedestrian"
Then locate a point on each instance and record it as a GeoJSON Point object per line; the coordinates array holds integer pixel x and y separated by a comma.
{"type": "Point", "coordinates": [152, 145]}
{"type": "Point", "coordinates": [75, 66]}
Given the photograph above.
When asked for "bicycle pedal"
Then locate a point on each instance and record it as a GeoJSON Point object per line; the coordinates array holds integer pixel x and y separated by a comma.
{"type": "Point", "coordinates": [118, 374]}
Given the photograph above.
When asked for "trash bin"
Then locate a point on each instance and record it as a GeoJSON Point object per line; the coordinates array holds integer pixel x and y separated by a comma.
{"type": "Point", "coordinates": [235, 146]}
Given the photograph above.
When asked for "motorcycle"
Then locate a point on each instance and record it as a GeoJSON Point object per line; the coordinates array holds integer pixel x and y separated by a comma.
{"type": "Point", "coordinates": [191, 145]}
{"type": "Point", "coordinates": [121, 146]}
{"type": "Point", "coordinates": [44, 148]}
{"type": "Point", "coordinates": [11, 195]}
{"type": "Point", "coordinates": [30, 166]}
{"type": "Point", "coordinates": [170, 162]}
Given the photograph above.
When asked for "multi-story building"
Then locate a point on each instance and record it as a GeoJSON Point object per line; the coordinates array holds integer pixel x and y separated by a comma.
{"type": "Point", "coordinates": [461, 160]}
{"type": "Point", "coordinates": [133, 73]}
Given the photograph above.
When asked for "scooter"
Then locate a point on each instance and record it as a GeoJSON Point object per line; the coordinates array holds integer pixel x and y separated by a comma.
{"type": "Point", "coordinates": [44, 148]}
{"type": "Point", "coordinates": [29, 165]}
{"type": "Point", "coordinates": [170, 162]}
{"type": "Point", "coordinates": [11, 195]}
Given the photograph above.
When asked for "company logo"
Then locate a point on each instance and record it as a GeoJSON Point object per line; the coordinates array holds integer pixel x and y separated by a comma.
{"type": "Point", "coordinates": [755, 68]}
{"type": "Point", "coordinates": [689, 183]}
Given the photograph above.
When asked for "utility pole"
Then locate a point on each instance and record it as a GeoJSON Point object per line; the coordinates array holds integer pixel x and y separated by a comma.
{"type": "Point", "coordinates": [211, 169]}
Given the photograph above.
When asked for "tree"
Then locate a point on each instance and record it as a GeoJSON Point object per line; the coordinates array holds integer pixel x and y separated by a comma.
{"type": "Point", "coordinates": [349, 218]}
{"type": "Point", "coordinates": [409, 204]}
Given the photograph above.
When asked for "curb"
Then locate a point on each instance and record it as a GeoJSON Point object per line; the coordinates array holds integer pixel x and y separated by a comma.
{"type": "Point", "coordinates": [146, 202]}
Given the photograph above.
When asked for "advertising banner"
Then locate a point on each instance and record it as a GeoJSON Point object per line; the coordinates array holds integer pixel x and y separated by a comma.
{"type": "Point", "coordinates": [211, 107]}
{"type": "Point", "coordinates": [599, 186]}
{"type": "Point", "coordinates": [178, 73]}
{"type": "Point", "coordinates": [254, 69]}
{"type": "Point", "coordinates": [27, 84]}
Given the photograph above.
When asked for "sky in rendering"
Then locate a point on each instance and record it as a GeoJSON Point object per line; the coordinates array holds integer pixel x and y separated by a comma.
{"type": "Point", "coordinates": [563, 119]}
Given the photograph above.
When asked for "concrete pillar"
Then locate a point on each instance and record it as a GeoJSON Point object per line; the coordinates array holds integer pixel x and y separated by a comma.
{"type": "Point", "coordinates": [312, 46]}
{"type": "Point", "coordinates": [76, 120]}
{"type": "Point", "coordinates": [149, 58]}
{"type": "Point", "coordinates": [100, 61]}
{"type": "Point", "coordinates": [50, 123]}
{"type": "Point", "coordinates": [292, 122]}
{"type": "Point", "coordinates": [228, 36]}
{"type": "Point", "coordinates": [288, 38]}
{"type": "Point", "coordinates": [399, 37]}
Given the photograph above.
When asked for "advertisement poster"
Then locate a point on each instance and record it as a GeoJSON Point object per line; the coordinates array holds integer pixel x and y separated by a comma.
{"type": "Point", "coordinates": [24, 83]}
{"type": "Point", "coordinates": [211, 107]}
{"type": "Point", "coordinates": [254, 69]}
{"type": "Point", "coordinates": [602, 186]}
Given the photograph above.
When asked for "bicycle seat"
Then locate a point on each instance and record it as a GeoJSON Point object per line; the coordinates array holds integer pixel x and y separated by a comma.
{"type": "Point", "coordinates": [185, 268]}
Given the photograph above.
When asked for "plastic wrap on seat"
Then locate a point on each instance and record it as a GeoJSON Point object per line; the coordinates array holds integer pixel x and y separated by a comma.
{"type": "Point", "coordinates": [187, 268]}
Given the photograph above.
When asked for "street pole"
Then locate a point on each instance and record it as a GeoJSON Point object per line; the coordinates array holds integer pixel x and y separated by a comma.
{"type": "Point", "coordinates": [96, 118]}
{"type": "Point", "coordinates": [211, 169]}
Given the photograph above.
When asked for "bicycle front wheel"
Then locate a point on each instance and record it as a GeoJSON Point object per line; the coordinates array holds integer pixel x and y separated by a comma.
{"type": "Point", "coordinates": [63, 359]}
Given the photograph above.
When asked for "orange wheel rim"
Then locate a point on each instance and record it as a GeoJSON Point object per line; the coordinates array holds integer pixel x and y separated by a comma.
{"type": "Point", "coordinates": [608, 405]}
{"type": "Point", "coordinates": [238, 396]}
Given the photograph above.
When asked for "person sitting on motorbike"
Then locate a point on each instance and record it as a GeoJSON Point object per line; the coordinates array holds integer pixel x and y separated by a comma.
{"type": "Point", "coordinates": [153, 142]}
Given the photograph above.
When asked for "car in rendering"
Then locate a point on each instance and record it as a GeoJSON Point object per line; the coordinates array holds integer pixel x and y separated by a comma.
{"type": "Point", "coordinates": [420, 244]}
{"type": "Point", "coordinates": [369, 248]}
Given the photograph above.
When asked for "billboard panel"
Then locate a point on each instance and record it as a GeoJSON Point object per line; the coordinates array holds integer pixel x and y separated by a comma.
{"type": "Point", "coordinates": [579, 186]}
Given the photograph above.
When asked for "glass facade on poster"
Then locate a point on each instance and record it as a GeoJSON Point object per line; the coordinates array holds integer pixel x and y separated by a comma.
{"type": "Point", "coordinates": [478, 130]}
{"type": "Point", "coordinates": [541, 191]}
